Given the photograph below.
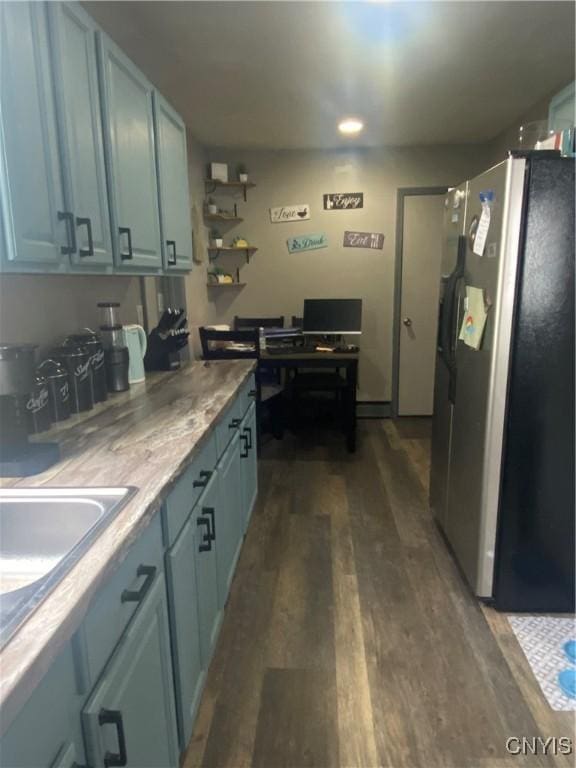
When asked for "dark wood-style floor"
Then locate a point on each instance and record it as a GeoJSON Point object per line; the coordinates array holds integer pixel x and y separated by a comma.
{"type": "Point", "coordinates": [350, 638]}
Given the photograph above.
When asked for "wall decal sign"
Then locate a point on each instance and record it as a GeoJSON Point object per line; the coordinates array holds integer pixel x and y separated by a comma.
{"type": "Point", "coordinates": [307, 242]}
{"type": "Point", "coordinates": [343, 201]}
{"type": "Point", "coordinates": [290, 213]}
{"type": "Point", "coordinates": [363, 240]}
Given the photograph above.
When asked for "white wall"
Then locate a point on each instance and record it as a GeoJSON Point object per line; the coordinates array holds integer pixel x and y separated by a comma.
{"type": "Point", "coordinates": [278, 282]}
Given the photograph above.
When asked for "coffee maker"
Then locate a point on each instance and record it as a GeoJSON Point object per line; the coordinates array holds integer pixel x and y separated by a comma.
{"type": "Point", "coordinates": [18, 456]}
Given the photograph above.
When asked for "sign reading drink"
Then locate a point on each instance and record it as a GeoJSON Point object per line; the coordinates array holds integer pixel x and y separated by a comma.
{"type": "Point", "coordinates": [307, 242]}
{"type": "Point", "coordinates": [363, 240]}
{"type": "Point", "coordinates": [343, 201]}
{"type": "Point", "coordinates": [290, 213]}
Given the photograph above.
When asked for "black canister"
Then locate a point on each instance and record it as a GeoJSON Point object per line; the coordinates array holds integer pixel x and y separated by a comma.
{"type": "Point", "coordinates": [38, 406]}
{"type": "Point", "coordinates": [91, 341]}
{"type": "Point", "coordinates": [58, 389]}
{"type": "Point", "coordinates": [117, 361]}
{"type": "Point", "coordinates": [76, 360]}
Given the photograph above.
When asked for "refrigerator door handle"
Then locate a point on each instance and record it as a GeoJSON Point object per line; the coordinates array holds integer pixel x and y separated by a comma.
{"type": "Point", "coordinates": [450, 309]}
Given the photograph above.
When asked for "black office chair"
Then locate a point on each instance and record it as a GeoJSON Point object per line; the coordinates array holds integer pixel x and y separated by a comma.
{"type": "Point", "coordinates": [242, 345]}
{"type": "Point", "coordinates": [248, 323]}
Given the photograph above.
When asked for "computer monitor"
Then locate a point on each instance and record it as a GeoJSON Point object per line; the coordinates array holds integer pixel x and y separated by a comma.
{"type": "Point", "coordinates": [332, 316]}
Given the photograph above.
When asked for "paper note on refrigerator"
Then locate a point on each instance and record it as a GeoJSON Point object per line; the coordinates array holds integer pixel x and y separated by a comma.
{"type": "Point", "coordinates": [482, 230]}
{"type": "Point", "coordinates": [474, 318]}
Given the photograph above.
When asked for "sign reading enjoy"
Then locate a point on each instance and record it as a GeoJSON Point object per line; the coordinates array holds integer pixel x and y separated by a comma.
{"type": "Point", "coordinates": [290, 213]}
{"type": "Point", "coordinates": [363, 240]}
{"type": "Point", "coordinates": [343, 201]}
{"type": "Point", "coordinates": [307, 242]}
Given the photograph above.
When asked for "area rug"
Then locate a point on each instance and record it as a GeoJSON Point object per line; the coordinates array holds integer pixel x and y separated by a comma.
{"type": "Point", "coordinates": [542, 638]}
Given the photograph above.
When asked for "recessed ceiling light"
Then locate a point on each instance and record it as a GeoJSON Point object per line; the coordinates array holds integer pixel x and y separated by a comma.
{"type": "Point", "coordinates": [350, 126]}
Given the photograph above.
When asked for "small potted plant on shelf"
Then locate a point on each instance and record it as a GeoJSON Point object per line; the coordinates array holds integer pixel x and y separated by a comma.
{"type": "Point", "coordinates": [211, 206]}
{"type": "Point", "coordinates": [240, 242]}
{"type": "Point", "coordinates": [216, 239]}
{"type": "Point", "coordinates": [242, 173]}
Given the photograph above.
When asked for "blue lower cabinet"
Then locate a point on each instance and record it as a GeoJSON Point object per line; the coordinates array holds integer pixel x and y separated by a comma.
{"type": "Point", "coordinates": [47, 726]}
{"type": "Point", "coordinates": [185, 627]}
{"type": "Point", "coordinates": [68, 757]}
{"type": "Point", "coordinates": [130, 717]}
{"type": "Point", "coordinates": [249, 464]}
{"type": "Point", "coordinates": [206, 522]}
{"type": "Point", "coordinates": [229, 520]}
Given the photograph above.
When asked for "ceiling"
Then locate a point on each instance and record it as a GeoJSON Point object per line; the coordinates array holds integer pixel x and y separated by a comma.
{"type": "Point", "coordinates": [281, 74]}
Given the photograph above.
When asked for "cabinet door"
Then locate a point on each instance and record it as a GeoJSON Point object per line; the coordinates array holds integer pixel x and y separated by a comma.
{"type": "Point", "coordinates": [80, 129]}
{"type": "Point", "coordinates": [130, 717]}
{"type": "Point", "coordinates": [67, 757]}
{"type": "Point", "coordinates": [31, 195]}
{"type": "Point", "coordinates": [47, 724]}
{"type": "Point", "coordinates": [206, 521]}
{"type": "Point", "coordinates": [185, 632]}
{"type": "Point", "coordinates": [130, 160]}
{"type": "Point", "coordinates": [249, 463]}
{"type": "Point", "coordinates": [173, 183]}
{"type": "Point", "coordinates": [230, 518]}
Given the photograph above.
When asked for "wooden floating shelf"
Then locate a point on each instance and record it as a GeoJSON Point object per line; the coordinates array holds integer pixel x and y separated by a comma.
{"type": "Point", "coordinates": [221, 217]}
{"type": "Point", "coordinates": [244, 186]}
{"type": "Point", "coordinates": [225, 285]}
{"type": "Point", "coordinates": [213, 252]}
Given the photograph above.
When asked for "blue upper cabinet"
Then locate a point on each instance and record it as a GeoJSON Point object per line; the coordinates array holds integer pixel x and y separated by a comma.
{"type": "Point", "coordinates": [131, 160]}
{"type": "Point", "coordinates": [37, 230]}
{"type": "Point", "coordinates": [172, 163]}
{"type": "Point", "coordinates": [80, 128]}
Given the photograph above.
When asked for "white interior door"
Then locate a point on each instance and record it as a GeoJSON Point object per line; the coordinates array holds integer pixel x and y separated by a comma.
{"type": "Point", "coordinates": [421, 263]}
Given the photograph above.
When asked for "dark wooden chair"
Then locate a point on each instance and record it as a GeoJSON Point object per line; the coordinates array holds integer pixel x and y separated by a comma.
{"type": "Point", "coordinates": [249, 323]}
{"type": "Point", "coordinates": [297, 322]}
{"type": "Point", "coordinates": [217, 345]}
{"type": "Point", "coordinates": [228, 345]}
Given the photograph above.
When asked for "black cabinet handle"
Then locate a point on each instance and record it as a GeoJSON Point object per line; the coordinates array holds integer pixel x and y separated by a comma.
{"type": "Point", "coordinates": [205, 475]}
{"type": "Point", "coordinates": [234, 424]}
{"type": "Point", "coordinates": [136, 595]}
{"type": "Point", "coordinates": [206, 543]}
{"type": "Point", "coordinates": [245, 447]}
{"type": "Point", "coordinates": [252, 393]}
{"type": "Point", "coordinates": [171, 258]}
{"type": "Point", "coordinates": [114, 717]}
{"type": "Point", "coordinates": [80, 221]}
{"type": "Point", "coordinates": [210, 512]}
{"type": "Point", "coordinates": [126, 231]}
{"type": "Point", "coordinates": [249, 430]}
{"type": "Point", "coordinates": [68, 217]}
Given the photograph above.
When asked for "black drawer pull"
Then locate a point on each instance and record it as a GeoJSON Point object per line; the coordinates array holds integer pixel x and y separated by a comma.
{"type": "Point", "coordinates": [90, 250]}
{"type": "Point", "coordinates": [114, 717]}
{"type": "Point", "coordinates": [206, 543]}
{"type": "Point", "coordinates": [71, 248]}
{"type": "Point", "coordinates": [205, 475]}
{"type": "Point", "coordinates": [126, 231]}
{"type": "Point", "coordinates": [210, 512]}
{"type": "Point", "coordinates": [234, 424]}
{"type": "Point", "coordinates": [245, 447]}
{"type": "Point", "coordinates": [136, 595]}
{"type": "Point", "coordinates": [171, 257]}
{"type": "Point", "coordinates": [249, 430]}
{"type": "Point", "coordinates": [252, 393]}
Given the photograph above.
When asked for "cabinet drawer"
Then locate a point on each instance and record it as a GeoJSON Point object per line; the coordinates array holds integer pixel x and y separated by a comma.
{"type": "Point", "coordinates": [225, 429]}
{"type": "Point", "coordinates": [245, 396]}
{"type": "Point", "coordinates": [187, 490]}
{"type": "Point", "coordinates": [117, 601]}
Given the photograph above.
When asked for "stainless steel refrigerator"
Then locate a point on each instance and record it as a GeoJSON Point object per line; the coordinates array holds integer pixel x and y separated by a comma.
{"type": "Point", "coordinates": [502, 471]}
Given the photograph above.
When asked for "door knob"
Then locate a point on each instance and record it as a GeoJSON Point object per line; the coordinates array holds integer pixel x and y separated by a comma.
{"type": "Point", "coordinates": [407, 322]}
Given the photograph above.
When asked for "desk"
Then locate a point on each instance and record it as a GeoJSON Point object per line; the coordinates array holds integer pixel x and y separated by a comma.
{"type": "Point", "coordinates": [346, 360]}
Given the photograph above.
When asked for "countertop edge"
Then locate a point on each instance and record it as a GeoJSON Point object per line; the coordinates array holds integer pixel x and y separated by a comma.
{"type": "Point", "coordinates": [17, 685]}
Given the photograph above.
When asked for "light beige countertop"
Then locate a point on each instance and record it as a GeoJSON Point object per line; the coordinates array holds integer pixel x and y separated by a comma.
{"type": "Point", "coordinates": [145, 438]}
